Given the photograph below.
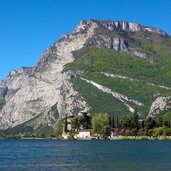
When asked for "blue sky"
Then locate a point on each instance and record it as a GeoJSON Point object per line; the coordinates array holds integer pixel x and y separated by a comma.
{"type": "Point", "coordinates": [28, 27]}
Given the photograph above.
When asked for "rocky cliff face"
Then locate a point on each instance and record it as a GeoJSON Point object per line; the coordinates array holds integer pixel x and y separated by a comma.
{"type": "Point", "coordinates": [33, 93]}
{"type": "Point", "coordinates": [160, 105]}
{"type": "Point", "coordinates": [121, 26]}
{"type": "Point", "coordinates": [29, 93]}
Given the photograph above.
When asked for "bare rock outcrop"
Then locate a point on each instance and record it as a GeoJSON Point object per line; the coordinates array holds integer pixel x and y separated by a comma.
{"type": "Point", "coordinates": [33, 92]}
{"type": "Point", "coordinates": [159, 106]}
{"type": "Point", "coordinates": [125, 26]}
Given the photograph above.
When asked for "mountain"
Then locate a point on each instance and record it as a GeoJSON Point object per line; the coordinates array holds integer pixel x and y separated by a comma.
{"type": "Point", "coordinates": [102, 66]}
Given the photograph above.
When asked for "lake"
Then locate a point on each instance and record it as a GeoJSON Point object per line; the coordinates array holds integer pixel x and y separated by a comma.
{"type": "Point", "coordinates": [23, 155]}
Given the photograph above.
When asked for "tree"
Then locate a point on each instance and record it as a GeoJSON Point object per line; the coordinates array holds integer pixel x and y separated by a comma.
{"type": "Point", "coordinates": [166, 131]}
{"type": "Point", "coordinates": [77, 122]}
{"type": "Point", "coordinates": [150, 123]}
{"type": "Point", "coordinates": [142, 124]}
{"type": "Point", "coordinates": [59, 129]}
{"type": "Point", "coordinates": [65, 125]}
{"type": "Point", "coordinates": [135, 120]}
{"type": "Point", "coordinates": [162, 131]}
{"type": "Point", "coordinates": [160, 122]}
{"type": "Point", "coordinates": [158, 131]}
{"type": "Point", "coordinates": [126, 122]}
{"type": "Point", "coordinates": [113, 122]}
{"type": "Point", "coordinates": [101, 124]}
{"type": "Point", "coordinates": [117, 122]}
{"type": "Point", "coordinates": [166, 124]}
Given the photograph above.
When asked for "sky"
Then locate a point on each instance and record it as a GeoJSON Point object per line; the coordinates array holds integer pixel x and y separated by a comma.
{"type": "Point", "coordinates": [28, 27]}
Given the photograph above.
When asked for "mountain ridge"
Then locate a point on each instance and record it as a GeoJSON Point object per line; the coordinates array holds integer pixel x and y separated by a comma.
{"type": "Point", "coordinates": [123, 25]}
{"type": "Point", "coordinates": [32, 92]}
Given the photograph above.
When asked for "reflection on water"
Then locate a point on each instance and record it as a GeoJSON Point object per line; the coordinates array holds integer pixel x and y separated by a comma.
{"type": "Point", "coordinates": [85, 155]}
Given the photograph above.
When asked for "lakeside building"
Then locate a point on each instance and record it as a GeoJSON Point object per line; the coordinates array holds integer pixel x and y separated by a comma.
{"type": "Point", "coordinates": [82, 133]}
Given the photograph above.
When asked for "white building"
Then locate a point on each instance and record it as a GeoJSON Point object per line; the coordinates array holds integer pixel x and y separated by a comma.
{"type": "Point", "coordinates": [84, 134]}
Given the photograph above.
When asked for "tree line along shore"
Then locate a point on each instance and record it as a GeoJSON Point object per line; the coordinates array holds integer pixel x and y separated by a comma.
{"type": "Point", "coordinates": [84, 126]}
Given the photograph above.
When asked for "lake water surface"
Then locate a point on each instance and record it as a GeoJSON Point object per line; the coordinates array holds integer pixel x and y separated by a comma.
{"type": "Point", "coordinates": [23, 155]}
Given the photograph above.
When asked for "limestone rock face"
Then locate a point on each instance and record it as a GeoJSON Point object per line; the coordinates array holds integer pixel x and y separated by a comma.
{"type": "Point", "coordinates": [122, 25]}
{"type": "Point", "coordinates": [16, 78]}
{"type": "Point", "coordinates": [140, 54]}
{"type": "Point", "coordinates": [32, 92]}
{"type": "Point", "coordinates": [3, 92]}
{"type": "Point", "coordinates": [35, 93]}
{"type": "Point", "coordinates": [103, 41]}
{"type": "Point", "coordinates": [160, 105]}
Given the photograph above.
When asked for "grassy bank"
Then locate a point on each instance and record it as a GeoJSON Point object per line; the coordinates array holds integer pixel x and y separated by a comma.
{"type": "Point", "coordinates": [141, 138]}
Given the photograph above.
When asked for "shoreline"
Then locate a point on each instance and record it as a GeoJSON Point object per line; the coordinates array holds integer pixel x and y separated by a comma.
{"type": "Point", "coordinates": [141, 138]}
{"type": "Point", "coordinates": [112, 139]}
